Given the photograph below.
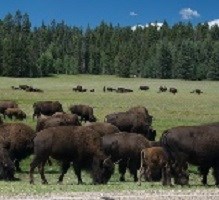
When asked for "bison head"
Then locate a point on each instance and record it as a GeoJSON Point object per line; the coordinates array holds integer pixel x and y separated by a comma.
{"type": "Point", "coordinates": [102, 170]}
{"type": "Point", "coordinates": [7, 168]}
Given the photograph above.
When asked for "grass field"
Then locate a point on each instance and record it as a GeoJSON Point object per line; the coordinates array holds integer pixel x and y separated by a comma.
{"type": "Point", "coordinates": [167, 109]}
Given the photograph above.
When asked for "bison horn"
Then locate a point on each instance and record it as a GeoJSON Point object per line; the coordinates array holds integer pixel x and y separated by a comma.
{"type": "Point", "coordinates": [106, 160]}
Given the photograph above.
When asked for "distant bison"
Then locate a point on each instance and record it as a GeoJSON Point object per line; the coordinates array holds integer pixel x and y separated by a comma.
{"type": "Point", "coordinates": [144, 87]}
{"type": "Point", "coordinates": [84, 111]}
{"type": "Point", "coordinates": [20, 137]}
{"type": "Point", "coordinates": [7, 104]}
{"type": "Point", "coordinates": [155, 165]}
{"type": "Point", "coordinates": [15, 112]}
{"type": "Point", "coordinates": [125, 148]}
{"type": "Point", "coordinates": [173, 90]}
{"type": "Point", "coordinates": [197, 91]}
{"type": "Point", "coordinates": [162, 89]}
{"type": "Point", "coordinates": [46, 108]}
{"type": "Point", "coordinates": [78, 145]}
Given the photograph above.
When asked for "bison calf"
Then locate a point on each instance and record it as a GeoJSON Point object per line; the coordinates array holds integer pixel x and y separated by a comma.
{"type": "Point", "coordinates": [155, 165]}
{"type": "Point", "coordinates": [15, 112]}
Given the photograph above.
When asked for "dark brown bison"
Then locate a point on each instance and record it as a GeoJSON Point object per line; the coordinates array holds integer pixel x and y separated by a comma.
{"type": "Point", "coordinates": [7, 104]}
{"type": "Point", "coordinates": [197, 145]}
{"type": "Point", "coordinates": [197, 91]}
{"type": "Point", "coordinates": [173, 90]}
{"type": "Point", "coordinates": [130, 122]}
{"type": "Point", "coordinates": [7, 168]}
{"type": "Point", "coordinates": [17, 113]}
{"type": "Point", "coordinates": [144, 87]}
{"type": "Point", "coordinates": [103, 128]}
{"type": "Point", "coordinates": [162, 89]}
{"type": "Point", "coordinates": [20, 137]}
{"type": "Point", "coordinates": [155, 165]}
{"type": "Point", "coordinates": [92, 90]}
{"type": "Point", "coordinates": [80, 145]}
{"type": "Point", "coordinates": [125, 148]}
{"type": "Point", "coordinates": [57, 120]}
{"type": "Point", "coordinates": [123, 90]}
{"type": "Point", "coordinates": [46, 108]}
{"type": "Point", "coordinates": [24, 87]}
{"type": "Point", "coordinates": [142, 110]}
{"type": "Point", "coordinates": [84, 111]}
{"type": "Point", "coordinates": [15, 88]}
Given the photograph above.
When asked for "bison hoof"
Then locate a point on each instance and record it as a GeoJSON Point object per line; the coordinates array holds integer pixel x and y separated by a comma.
{"type": "Point", "coordinates": [122, 179]}
{"type": "Point", "coordinates": [45, 182]}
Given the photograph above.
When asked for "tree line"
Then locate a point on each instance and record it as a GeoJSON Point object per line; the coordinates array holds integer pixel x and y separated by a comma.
{"type": "Point", "coordinates": [180, 51]}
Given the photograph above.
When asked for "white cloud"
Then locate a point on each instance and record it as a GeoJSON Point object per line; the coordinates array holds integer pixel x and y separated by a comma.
{"type": "Point", "coordinates": [188, 13]}
{"type": "Point", "coordinates": [213, 22]}
{"type": "Point", "coordinates": [157, 24]}
{"type": "Point", "coordinates": [133, 14]}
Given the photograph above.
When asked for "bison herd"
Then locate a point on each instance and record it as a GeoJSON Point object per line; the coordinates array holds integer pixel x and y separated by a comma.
{"type": "Point", "coordinates": [124, 138]}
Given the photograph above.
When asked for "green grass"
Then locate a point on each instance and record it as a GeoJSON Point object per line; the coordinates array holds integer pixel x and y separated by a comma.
{"type": "Point", "coordinates": [168, 110]}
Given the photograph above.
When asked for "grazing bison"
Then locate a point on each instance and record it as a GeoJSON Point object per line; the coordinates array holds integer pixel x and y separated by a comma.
{"type": "Point", "coordinates": [142, 110]}
{"type": "Point", "coordinates": [84, 111]}
{"type": "Point", "coordinates": [130, 122]}
{"type": "Point", "coordinates": [143, 87]}
{"type": "Point", "coordinates": [162, 89]}
{"type": "Point", "coordinates": [7, 104]}
{"type": "Point", "coordinates": [7, 168]}
{"type": "Point", "coordinates": [92, 90]}
{"type": "Point", "coordinates": [125, 148]}
{"type": "Point", "coordinates": [197, 91]}
{"type": "Point", "coordinates": [155, 165]}
{"type": "Point", "coordinates": [173, 90]}
{"type": "Point", "coordinates": [197, 145]}
{"type": "Point", "coordinates": [80, 145]}
{"type": "Point", "coordinates": [57, 120]}
{"type": "Point", "coordinates": [103, 128]}
{"type": "Point", "coordinates": [24, 87]}
{"type": "Point", "coordinates": [20, 137]}
{"type": "Point", "coordinates": [46, 108]}
{"type": "Point", "coordinates": [15, 112]}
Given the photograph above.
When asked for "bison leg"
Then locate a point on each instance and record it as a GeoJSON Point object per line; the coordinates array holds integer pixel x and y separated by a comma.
{"type": "Point", "coordinates": [77, 170]}
{"type": "Point", "coordinates": [122, 169]}
{"type": "Point", "coordinates": [166, 175]}
{"type": "Point", "coordinates": [64, 168]}
{"type": "Point", "coordinates": [36, 161]}
{"type": "Point", "coordinates": [133, 169]}
{"type": "Point", "coordinates": [204, 173]}
{"type": "Point", "coordinates": [142, 173]}
{"type": "Point", "coordinates": [216, 174]}
{"type": "Point", "coordinates": [17, 165]}
{"type": "Point", "coordinates": [41, 170]}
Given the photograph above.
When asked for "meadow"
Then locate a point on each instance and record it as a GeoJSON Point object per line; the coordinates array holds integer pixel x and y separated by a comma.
{"type": "Point", "coordinates": [168, 110]}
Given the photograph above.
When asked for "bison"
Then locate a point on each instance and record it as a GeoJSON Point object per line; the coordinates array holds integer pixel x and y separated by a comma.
{"type": "Point", "coordinates": [144, 87]}
{"type": "Point", "coordinates": [154, 165]}
{"type": "Point", "coordinates": [84, 111]}
{"type": "Point", "coordinates": [130, 122]}
{"type": "Point", "coordinates": [142, 110]}
{"type": "Point", "coordinates": [7, 104]}
{"type": "Point", "coordinates": [46, 108]}
{"type": "Point", "coordinates": [57, 120]}
{"type": "Point", "coordinates": [20, 137]}
{"type": "Point", "coordinates": [173, 90]}
{"type": "Point", "coordinates": [197, 91]}
{"type": "Point", "coordinates": [162, 89]}
{"type": "Point", "coordinates": [15, 112]}
{"type": "Point", "coordinates": [197, 145]}
{"type": "Point", "coordinates": [103, 128]}
{"type": "Point", "coordinates": [125, 148]}
{"type": "Point", "coordinates": [80, 145]}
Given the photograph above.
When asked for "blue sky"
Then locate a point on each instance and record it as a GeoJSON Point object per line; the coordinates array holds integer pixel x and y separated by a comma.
{"type": "Point", "coordinates": [125, 12]}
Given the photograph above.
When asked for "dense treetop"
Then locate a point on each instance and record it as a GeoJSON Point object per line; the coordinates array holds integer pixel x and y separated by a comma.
{"type": "Point", "coordinates": [180, 51]}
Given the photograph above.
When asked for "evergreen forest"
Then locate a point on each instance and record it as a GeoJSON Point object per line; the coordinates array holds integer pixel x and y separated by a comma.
{"type": "Point", "coordinates": [180, 51]}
